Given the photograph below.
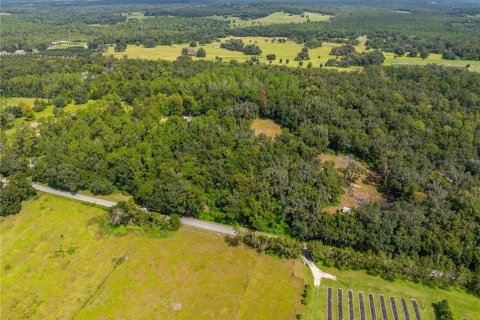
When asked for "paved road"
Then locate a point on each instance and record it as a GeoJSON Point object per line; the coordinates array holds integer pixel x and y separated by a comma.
{"type": "Point", "coordinates": [351, 315]}
{"type": "Point", "coordinates": [372, 306]}
{"type": "Point", "coordinates": [76, 196]}
{"type": "Point", "coordinates": [394, 308]}
{"type": "Point", "coordinates": [329, 303]}
{"type": "Point", "coordinates": [105, 203]}
{"type": "Point", "coordinates": [362, 306]}
{"type": "Point", "coordinates": [384, 307]}
{"type": "Point", "coordinates": [405, 309]}
{"type": "Point", "coordinates": [340, 304]}
{"type": "Point", "coordinates": [415, 308]}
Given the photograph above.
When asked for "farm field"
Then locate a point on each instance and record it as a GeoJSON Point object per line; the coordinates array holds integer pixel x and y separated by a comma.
{"type": "Point", "coordinates": [286, 50]}
{"type": "Point", "coordinates": [56, 263]}
{"type": "Point", "coordinates": [462, 303]}
{"type": "Point", "coordinates": [276, 18]}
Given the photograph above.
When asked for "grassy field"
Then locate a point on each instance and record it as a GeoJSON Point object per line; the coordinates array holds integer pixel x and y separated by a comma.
{"type": "Point", "coordinates": [266, 127]}
{"type": "Point", "coordinates": [57, 264]}
{"type": "Point", "coordinates": [462, 303]}
{"type": "Point", "coordinates": [287, 50]}
{"type": "Point", "coordinates": [390, 60]}
{"type": "Point", "coordinates": [276, 18]}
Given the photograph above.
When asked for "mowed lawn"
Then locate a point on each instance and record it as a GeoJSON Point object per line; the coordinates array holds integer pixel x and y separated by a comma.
{"type": "Point", "coordinates": [462, 303]}
{"type": "Point", "coordinates": [57, 264]}
{"type": "Point", "coordinates": [284, 51]}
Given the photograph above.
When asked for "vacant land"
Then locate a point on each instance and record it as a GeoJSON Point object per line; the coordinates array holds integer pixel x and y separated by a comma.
{"type": "Point", "coordinates": [57, 264]}
{"type": "Point", "coordinates": [282, 50]}
{"type": "Point", "coordinates": [276, 18]}
{"type": "Point", "coordinates": [266, 127]}
{"type": "Point", "coordinates": [462, 303]}
{"type": "Point", "coordinates": [360, 193]}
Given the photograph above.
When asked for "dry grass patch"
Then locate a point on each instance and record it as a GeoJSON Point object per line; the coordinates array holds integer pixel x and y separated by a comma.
{"type": "Point", "coordinates": [362, 191]}
{"type": "Point", "coordinates": [266, 127]}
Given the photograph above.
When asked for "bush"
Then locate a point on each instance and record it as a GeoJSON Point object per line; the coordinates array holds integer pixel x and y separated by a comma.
{"type": "Point", "coordinates": [284, 247]}
{"type": "Point", "coordinates": [127, 212]}
{"type": "Point", "coordinates": [60, 101]}
{"type": "Point", "coordinates": [307, 294]}
{"type": "Point", "coordinates": [442, 310]}
{"type": "Point", "coordinates": [40, 105]}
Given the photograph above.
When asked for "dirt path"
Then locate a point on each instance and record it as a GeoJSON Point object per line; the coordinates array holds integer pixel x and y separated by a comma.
{"type": "Point", "coordinates": [316, 272]}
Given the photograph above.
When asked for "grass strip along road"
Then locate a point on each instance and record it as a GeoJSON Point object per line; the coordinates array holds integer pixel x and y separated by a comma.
{"type": "Point", "coordinates": [105, 203]}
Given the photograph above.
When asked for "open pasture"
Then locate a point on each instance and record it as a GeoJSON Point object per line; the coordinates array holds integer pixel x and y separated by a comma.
{"type": "Point", "coordinates": [283, 51]}
{"type": "Point", "coordinates": [57, 263]}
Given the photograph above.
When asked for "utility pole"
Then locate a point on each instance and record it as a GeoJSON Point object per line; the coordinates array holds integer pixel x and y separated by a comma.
{"type": "Point", "coordinates": [141, 27]}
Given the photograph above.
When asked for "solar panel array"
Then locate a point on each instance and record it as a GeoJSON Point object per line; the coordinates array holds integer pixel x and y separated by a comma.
{"type": "Point", "coordinates": [389, 308]}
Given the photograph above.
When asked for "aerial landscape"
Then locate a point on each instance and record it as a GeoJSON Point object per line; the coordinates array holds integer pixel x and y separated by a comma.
{"type": "Point", "coordinates": [211, 159]}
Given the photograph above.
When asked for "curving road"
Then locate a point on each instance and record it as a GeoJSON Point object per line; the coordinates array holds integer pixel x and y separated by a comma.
{"type": "Point", "coordinates": [105, 203]}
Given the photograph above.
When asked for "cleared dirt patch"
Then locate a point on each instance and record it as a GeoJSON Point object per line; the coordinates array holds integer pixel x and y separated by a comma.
{"type": "Point", "coordinates": [362, 191]}
{"type": "Point", "coordinates": [266, 127]}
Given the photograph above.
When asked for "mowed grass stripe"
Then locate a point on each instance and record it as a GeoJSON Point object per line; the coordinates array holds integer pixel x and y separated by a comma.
{"type": "Point", "coordinates": [273, 292]}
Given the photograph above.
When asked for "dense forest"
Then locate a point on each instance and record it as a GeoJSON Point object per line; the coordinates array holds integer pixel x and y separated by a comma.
{"type": "Point", "coordinates": [412, 27]}
{"type": "Point", "coordinates": [176, 135]}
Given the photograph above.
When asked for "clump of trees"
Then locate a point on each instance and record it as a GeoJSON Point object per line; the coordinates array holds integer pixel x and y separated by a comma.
{"type": "Point", "coordinates": [252, 50]}
{"type": "Point", "coordinates": [128, 213]}
{"type": "Point", "coordinates": [284, 247]}
{"type": "Point", "coordinates": [233, 45]}
{"type": "Point", "coordinates": [201, 53]}
{"type": "Point", "coordinates": [238, 45]}
{"type": "Point", "coordinates": [17, 189]}
{"type": "Point", "coordinates": [303, 54]}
